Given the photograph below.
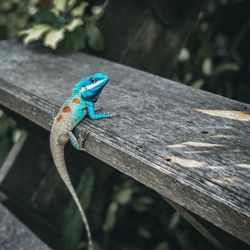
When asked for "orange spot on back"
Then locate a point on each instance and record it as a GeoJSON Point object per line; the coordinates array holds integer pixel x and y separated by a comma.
{"type": "Point", "coordinates": [67, 109]}
{"type": "Point", "coordinates": [76, 100]}
{"type": "Point", "coordinates": [59, 118]}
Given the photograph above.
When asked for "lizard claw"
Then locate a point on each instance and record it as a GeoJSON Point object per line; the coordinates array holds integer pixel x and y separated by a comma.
{"type": "Point", "coordinates": [82, 138]}
{"type": "Point", "coordinates": [113, 114]}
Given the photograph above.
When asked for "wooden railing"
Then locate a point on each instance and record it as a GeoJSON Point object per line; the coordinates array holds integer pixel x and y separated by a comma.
{"type": "Point", "coordinates": [190, 146]}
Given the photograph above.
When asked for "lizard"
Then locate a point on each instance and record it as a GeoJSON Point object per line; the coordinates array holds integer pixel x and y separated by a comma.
{"type": "Point", "coordinates": [73, 111]}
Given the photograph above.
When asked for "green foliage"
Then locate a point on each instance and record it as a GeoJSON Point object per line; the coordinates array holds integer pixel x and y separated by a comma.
{"type": "Point", "coordinates": [94, 38]}
{"type": "Point", "coordinates": [14, 16]}
{"type": "Point", "coordinates": [67, 25]}
{"type": "Point", "coordinates": [138, 218]}
{"type": "Point", "coordinates": [216, 57]}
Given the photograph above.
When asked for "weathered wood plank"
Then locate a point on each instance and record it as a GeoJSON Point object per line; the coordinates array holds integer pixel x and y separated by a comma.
{"type": "Point", "coordinates": [14, 235]}
{"type": "Point", "coordinates": [188, 145]}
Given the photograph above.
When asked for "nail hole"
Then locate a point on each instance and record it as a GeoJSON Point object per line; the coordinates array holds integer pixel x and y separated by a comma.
{"type": "Point", "coordinates": [204, 132]}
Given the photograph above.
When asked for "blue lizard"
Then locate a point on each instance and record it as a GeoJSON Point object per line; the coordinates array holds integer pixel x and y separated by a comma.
{"type": "Point", "coordinates": [76, 107]}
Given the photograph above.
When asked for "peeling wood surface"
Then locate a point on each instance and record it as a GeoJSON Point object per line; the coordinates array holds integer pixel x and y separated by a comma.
{"type": "Point", "coordinates": [14, 235]}
{"type": "Point", "coordinates": [190, 146]}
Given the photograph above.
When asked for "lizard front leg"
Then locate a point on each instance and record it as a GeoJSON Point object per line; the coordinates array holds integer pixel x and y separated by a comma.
{"type": "Point", "coordinates": [94, 116]}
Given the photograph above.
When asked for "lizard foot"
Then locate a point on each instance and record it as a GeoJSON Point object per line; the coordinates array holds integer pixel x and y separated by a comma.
{"type": "Point", "coordinates": [82, 138]}
{"type": "Point", "coordinates": [112, 114]}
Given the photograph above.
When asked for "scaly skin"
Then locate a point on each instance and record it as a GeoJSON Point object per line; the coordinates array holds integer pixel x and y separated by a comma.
{"type": "Point", "coordinates": [77, 106]}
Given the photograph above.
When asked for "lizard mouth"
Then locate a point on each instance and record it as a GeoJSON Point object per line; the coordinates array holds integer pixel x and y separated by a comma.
{"type": "Point", "coordinates": [93, 85]}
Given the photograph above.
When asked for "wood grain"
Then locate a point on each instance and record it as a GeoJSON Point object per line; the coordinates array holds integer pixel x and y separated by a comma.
{"type": "Point", "coordinates": [190, 146]}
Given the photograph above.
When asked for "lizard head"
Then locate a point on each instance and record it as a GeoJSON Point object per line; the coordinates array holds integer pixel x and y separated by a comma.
{"type": "Point", "coordinates": [91, 87]}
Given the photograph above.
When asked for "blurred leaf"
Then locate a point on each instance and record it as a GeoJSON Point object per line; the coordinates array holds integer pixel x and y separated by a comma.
{"type": "Point", "coordinates": [48, 17]}
{"type": "Point", "coordinates": [124, 196]}
{"type": "Point", "coordinates": [142, 203]}
{"type": "Point", "coordinates": [74, 24]}
{"type": "Point", "coordinates": [182, 240]}
{"type": "Point", "coordinates": [6, 124]}
{"type": "Point", "coordinates": [75, 40]}
{"type": "Point", "coordinates": [162, 246]}
{"type": "Point", "coordinates": [207, 67]}
{"type": "Point", "coordinates": [139, 207]}
{"type": "Point", "coordinates": [25, 32]}
{"type": "Point", "coordinates": [56, 12]}
{"type": "Point", "coordinates": [145, 200]}
{"type": "Point", "coordinates": [184, 55]}
{"type": "Point", "coordinates": [94, 37]}
{"type": "Point", "coordinates": [174, 221]}
{"type": "Point", "coordinates": [188, 76]}
{"type": "Point", "coordinates": [16, 136]}
{"type": "Point", "coordinates": [71, 3]}
{"type": "Point", "coordinates": [60, 4]}
{"type": "Point", "coordinates": [79, 10]}
{"type": "Point", "coordinates": [198, 84]}
{"type": "Point", "coordinates": [53, 37]}
{"type": "Point", "coordinates": [97, 9]}
{"type": "Point", "coordinates": [111, 216]}
{"type": "Point", "coordinates": [93, 18]}
{"type": "Point", "coordinates": [35, 33]}
{"type": "Point", "coordinates": [226, 67]}
{"type": "Point", "coordinates": [6, 5]}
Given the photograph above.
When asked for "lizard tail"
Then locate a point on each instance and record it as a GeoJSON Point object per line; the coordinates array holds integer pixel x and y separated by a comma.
{"type": "Point", "coordinates": [58, 156]}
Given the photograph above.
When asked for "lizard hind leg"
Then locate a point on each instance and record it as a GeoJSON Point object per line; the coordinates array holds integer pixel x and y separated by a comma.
{"type": "Point", "coordinates": [78, 144]}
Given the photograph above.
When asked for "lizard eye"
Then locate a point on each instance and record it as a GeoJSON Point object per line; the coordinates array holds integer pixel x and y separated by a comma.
{"type": "Point", "coordinates": [83, 89]}
{"type": "Point", "coordinates": [92, 80]}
